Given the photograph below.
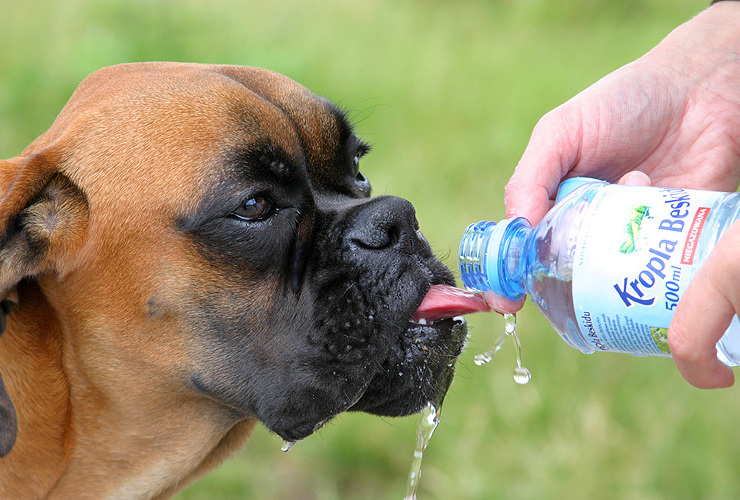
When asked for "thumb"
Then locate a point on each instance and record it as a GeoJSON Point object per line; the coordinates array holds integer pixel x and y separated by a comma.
{"type": "Point", "coordinates": [635, 178]}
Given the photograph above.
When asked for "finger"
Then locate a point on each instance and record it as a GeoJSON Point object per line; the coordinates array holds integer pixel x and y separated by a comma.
{"type": "Point", "coordinates": [704, 314]}
{"type": "Point", "coordinates": [551, 153]}
{"type": "Point", "coordinates": [635, 178]}
{"type": "Point", "coordinates": [502, 304]}
{"type": "Point", "coordinates": [523, 199]}
{"type": "Point", "coordinates": [693, 338]}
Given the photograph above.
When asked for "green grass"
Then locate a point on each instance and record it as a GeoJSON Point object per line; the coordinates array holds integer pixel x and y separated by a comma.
{"type": "Point", "coordinates": [448, 92]}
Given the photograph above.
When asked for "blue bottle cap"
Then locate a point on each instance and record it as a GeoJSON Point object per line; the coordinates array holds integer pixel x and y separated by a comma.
{"type": "Point", "coordinates": [478, 258]}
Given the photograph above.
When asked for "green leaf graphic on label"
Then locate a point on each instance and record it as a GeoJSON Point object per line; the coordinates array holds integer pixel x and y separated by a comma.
{"type": "Point", "coordinates": [660, 336]}
{"type": "Point", "coordinates": [633, 227]}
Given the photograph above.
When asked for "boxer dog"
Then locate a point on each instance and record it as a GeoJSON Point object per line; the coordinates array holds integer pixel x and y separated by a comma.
{"type": "Point", "coordinates": [189, 250]}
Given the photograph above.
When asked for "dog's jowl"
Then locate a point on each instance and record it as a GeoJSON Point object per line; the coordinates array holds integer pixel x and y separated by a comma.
{"type": "Point", "coordinates": [190, 250]}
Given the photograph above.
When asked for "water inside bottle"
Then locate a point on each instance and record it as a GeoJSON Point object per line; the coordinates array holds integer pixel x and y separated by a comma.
{"type": "Point", "coordinates": [521, 374]}
{"type": "Point", "coordinates": [428, 421]}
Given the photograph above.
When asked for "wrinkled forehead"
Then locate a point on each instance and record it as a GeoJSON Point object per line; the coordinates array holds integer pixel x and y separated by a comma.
{"type": "Point", "coordinates": [150, 127]}
{"type": "Point", "coordinates": [321, 127]}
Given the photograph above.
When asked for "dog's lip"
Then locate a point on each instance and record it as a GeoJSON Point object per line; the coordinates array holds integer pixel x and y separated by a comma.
{"type": "Point", "coordinates": [424, 374]}
{"type": "Point", "coordinates": [440, 325]}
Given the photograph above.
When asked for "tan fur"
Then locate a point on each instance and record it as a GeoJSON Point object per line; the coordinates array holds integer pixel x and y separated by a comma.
{"type": "Point", "coordinates": [95, 368]}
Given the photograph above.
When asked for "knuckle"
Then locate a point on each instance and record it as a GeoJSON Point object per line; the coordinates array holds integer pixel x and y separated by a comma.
{"type": "Point", "coordinates": [680, 343]}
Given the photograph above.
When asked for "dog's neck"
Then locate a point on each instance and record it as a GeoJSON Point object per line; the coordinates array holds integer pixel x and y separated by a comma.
{"type": "Point", "coordinates": [30, 362]}
{"type": "Point", "coordinates": [74, 442]}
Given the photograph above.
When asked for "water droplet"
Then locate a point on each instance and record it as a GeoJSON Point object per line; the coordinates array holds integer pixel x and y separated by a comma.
{"type": "Point", "coordinates": [482, 359]}
{"type": "Point", "coordinates": [287, 445]}
{"type": "Point", "coordinates": [486, 357]}
{"type": "Point", "coordinates": [521, 375]}
{"type": "Point", "coordinates": [509, 323]}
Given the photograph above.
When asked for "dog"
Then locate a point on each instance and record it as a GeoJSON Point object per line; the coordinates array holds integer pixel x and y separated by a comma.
{"type": "Point", "coordinates": [187, 251]}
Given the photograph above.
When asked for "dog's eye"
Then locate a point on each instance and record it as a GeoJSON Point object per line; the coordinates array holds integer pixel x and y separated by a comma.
{"type": "Point", "coordinates": [257, 208]}
{"type": "Point", "coordinates": [362, 183]}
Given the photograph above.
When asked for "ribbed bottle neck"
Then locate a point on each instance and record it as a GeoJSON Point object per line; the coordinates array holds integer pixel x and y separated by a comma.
{"type": "Point", "coordinates": [491, 257]}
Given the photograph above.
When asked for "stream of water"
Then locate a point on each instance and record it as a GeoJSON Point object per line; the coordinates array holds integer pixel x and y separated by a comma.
{"type": "Point", "coordinates": [428, 421]}
{"type": "Point", "coordinates": [521, 374]}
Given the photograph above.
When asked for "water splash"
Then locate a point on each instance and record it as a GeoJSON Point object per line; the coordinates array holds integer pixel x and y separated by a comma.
{"type": "Point", "coordinates": [486, 357]}
{"type": "Point", "coordinates": [521, 374]}
{"type": "Point", "coordinates": [428, 421]}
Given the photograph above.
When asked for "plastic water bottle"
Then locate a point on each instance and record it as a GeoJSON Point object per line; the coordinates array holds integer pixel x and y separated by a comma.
{"type": "Point", "coordinates": [608, 264]}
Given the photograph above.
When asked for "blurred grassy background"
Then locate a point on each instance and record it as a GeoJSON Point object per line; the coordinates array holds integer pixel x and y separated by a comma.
{"type": "Point", "coordinates": [448, 92]}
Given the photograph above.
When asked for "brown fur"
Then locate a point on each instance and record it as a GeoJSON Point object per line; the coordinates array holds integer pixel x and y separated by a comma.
{"type": "Point", "coordinates": [187, 250]}
{"type": "Point", "coordinates": [101, 407]}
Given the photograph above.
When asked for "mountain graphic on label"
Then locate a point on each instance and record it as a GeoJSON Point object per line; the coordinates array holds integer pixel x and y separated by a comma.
{"type": "Point", "coordinates": [633, 228]}
{"type": "Point", "coordinates": [660, 336]}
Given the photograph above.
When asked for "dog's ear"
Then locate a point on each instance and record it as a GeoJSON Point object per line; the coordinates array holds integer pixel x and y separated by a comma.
{"type": "Point", "coordinates": [43, 219]}
{"type": "Point", "coordinates": [43, 222]}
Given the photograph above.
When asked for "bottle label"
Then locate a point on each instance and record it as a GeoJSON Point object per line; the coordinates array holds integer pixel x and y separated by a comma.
{"type": "Point", "coordinates": [633, 261]}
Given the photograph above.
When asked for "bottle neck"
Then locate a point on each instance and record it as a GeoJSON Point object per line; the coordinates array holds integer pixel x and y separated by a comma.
{"type": "Point", "coordinates": [509, 269]}
{"type": "Point", "coordinates": [491, 257]}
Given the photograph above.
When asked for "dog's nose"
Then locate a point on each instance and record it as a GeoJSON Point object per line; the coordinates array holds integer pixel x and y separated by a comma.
{"type": "Point", "coordinates": [386, 222]}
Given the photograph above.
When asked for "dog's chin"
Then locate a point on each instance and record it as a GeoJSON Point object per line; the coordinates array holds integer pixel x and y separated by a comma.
{"type": "Point", "coordinates": [420, 372]}
{"type": "Point", "coordinates": [423, 374]}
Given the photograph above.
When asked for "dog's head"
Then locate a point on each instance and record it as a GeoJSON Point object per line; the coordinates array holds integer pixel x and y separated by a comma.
{"type": "Point", "coordinates": [206, 231]}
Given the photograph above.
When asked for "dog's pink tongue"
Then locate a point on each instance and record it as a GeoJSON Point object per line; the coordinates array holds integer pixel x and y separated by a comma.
{"type": "Point", "coordinates": [444, 301]}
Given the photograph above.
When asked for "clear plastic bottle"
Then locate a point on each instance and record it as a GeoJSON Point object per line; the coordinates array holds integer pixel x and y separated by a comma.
{"type": "Point", "coordinates": [608, 264]}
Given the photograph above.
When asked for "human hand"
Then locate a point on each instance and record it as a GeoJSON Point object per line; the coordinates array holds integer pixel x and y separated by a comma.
{"type": "Point", "coordinates": [673, 114]}
{"type": "Point", "coordinates": [704, 314]}
{"type": "Point", "coordinates": [705, 310]}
